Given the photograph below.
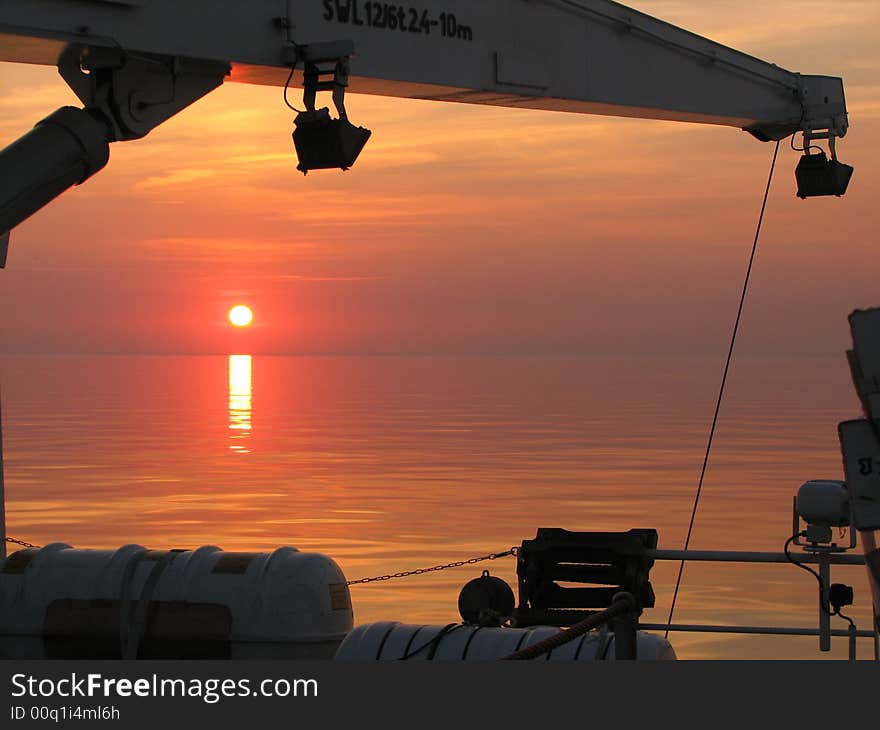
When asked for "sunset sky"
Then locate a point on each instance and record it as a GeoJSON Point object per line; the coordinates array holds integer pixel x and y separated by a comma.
{"type": "Point", "coordinates": [461, 229]}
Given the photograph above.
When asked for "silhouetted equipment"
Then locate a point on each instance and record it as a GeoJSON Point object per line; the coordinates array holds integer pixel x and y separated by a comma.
{"type": "Point", "coordinates": [323, 143]}
{"type": "Point", "coordinates": [64, 149]}
{"type": "Point", "coordinates": [607, 562]}
{"type": "Point", "coordinates": [824, 505]}
{"type": "Point", "coordinates": [124, 95]}
{"type": "Point", "coordinates": [860, 442]}
{"type": "Point", "coordinates": [859, 439]}
{"type": "Point", "coordinates": [864, 361]}
{"type": "Point", "coordinates": [486, 600]}
{"type": "Point", "coordinates": [818, 176]}
{"type": "Point", "coordinates": [824, 502]}
{"type": "Point", "coordinates": [840, 596]}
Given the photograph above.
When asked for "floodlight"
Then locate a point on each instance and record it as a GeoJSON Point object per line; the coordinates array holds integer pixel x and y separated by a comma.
{"type": "Point", "coordinates": [817, 176]}
{"type": "Point", "coordinates": [324, 143]}
{"type": "Point", "coordinates": [823, 505]}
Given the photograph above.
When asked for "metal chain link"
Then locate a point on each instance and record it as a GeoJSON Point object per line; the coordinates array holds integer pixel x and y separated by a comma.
{"type": "Point", "coordinates": [380, 578]}
{"type": "Point", "coordinates": [436, 568]}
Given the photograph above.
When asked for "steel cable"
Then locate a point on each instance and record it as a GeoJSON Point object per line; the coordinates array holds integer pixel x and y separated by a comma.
{"type": "Point", "coordinates": [733, 337]}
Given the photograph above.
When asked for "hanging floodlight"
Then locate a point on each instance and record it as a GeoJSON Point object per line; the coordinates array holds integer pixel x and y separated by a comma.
{"type": "Point", "coordinates": [322, 142]}
{"type": "Point", "coordinates": [817, 176]}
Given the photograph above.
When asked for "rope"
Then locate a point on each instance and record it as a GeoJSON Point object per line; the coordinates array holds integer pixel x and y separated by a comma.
{"type": "Point", "coordinates": [433, 644]}
{"type": "Point", "coordinates": [622, 605]}
{"type": "Point", "coordinates": [734, 334]}
{"type": "Point", "coordinates": [137, 629]}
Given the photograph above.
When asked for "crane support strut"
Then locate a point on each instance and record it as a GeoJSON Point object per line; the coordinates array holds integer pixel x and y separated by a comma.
{"type": "Point", "coordinates": [124, 96]}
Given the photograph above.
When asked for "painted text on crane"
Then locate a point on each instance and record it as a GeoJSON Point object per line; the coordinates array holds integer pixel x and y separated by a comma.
{"type": "Point", "coordinates": [398, 18]}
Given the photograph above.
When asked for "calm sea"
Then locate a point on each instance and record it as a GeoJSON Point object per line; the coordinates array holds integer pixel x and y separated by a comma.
{"type": "Point", "coordinates": [390, 464]}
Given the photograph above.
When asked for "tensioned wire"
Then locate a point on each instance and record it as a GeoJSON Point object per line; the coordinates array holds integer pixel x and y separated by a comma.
{"type": "Point", "coordinates": [742, 302]}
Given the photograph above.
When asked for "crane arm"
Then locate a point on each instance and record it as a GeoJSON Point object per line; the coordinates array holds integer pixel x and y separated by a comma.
{"type": "Point", "coordinates": [591, 56]}
{"type": "Point", "coordinates": [124, 58]}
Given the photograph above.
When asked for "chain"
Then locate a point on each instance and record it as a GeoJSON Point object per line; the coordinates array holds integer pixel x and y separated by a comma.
{"type": "Point", "coordinates": [380, 578]}
{"type": "Point", "coordinates": [436, 568]}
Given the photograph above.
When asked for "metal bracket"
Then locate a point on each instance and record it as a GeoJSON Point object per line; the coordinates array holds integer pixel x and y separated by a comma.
{"type": "Point", "coordinates": [326, 68]}
{"type": "Point", "coordinates": [322, 142]}
{"type": "Point", "coordinates": [136, 92]}
{"type": "Point", "coordinates": [811, 134]}
{"type": "Point", "coordinates": [824, 111]}
{"type": "Point", "coordinates": [823, 116]}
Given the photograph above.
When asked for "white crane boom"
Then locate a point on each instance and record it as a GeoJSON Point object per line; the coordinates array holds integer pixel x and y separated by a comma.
{"type": "Point", "coordinates": [134, 63]}
{"type": "Point", "coordinates": [591, 56]}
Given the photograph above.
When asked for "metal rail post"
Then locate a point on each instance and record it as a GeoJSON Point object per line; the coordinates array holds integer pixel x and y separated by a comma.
{"type": "Point", "coordinates": [626, 640]}
{"type": "Point", "coordinates": [824, 610]}
{"type": "Point", "coordinates": [626, 628]}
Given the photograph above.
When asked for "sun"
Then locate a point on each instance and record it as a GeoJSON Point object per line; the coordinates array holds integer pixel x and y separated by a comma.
{"type": "Point", "coordinates": [241, 315]}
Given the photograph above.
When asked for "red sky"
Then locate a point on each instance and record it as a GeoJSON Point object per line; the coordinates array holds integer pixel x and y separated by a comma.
{"type": "Point", "coordinates": [461, 229]}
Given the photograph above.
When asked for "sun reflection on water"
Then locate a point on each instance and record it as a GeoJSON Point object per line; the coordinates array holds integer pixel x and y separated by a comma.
{"type": "Point", "coordinates": [240, 402]}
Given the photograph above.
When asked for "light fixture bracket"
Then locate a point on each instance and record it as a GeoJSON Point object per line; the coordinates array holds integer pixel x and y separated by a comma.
{"type": "Point", "coordinates": [321, 141]}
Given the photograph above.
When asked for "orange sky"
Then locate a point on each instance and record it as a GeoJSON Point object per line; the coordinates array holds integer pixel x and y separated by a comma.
{"type": "Point", "coordinates": [461, 229]}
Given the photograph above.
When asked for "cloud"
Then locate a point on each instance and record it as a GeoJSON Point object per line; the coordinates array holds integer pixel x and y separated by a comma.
{"type": "Point", "coordinates": [173, 178]}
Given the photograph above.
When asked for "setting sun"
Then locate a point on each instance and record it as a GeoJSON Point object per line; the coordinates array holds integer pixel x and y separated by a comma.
{"type": "Point", "coordinates": [241, 315]}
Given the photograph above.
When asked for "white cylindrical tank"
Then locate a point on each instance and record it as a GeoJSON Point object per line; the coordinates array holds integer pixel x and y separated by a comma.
{"type": "Point", "coordinates": [390, 641]}
{"type": "Point", "coordinates": [205, 602]}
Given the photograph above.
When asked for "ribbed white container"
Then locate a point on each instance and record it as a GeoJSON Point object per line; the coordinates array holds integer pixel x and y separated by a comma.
{"type": "Point", "coordinates": [283, 598]}
{"type": "Point", "coordinates": [390, 641]}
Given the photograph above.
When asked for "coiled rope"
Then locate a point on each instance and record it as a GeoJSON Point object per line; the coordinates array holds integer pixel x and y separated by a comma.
{"type": "Point", "coordinates": [622, 604]}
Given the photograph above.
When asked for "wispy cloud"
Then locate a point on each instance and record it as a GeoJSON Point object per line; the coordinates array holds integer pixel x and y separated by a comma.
{"type": "Point", "coordinates": [173, 178]}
